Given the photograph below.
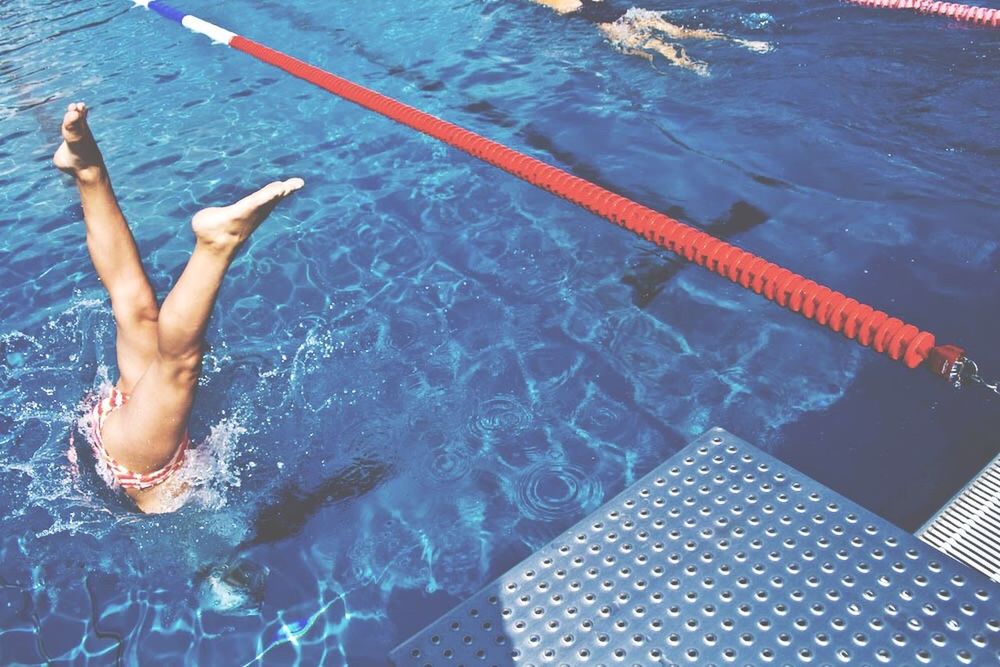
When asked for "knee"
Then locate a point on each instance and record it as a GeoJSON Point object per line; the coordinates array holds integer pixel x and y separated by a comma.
{"type": "Point", "coordinates": [136, 304]}
{"type": "Point", "coordinates": [184, 368]}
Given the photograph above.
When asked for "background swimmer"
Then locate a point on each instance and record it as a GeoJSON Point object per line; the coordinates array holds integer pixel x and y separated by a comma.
{"type": "Point", "coordinates": [641, 32]}
{"type": "Point", "coordinates": [140, 429]}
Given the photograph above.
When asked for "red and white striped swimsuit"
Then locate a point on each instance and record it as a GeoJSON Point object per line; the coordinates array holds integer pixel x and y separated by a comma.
{"type": "Point", "coordinates": [124, 477]}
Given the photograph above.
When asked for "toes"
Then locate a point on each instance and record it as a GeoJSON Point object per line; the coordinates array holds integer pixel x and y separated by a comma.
{"type": "Point", "coordinates": [271, 192]}
{"type": "Point", "coordinates": [74, 121]}
{"type": "Point", "coordinates": [281, 188]}
{"type": "Point", "coordinates": [293, 184]}
{"type": "Point", "coordinates": [265, 195]}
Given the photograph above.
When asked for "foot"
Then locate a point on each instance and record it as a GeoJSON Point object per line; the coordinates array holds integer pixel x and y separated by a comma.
{"type": "Point", "coordinates": [225, 229]}
{"type": "Point", "coordinates": [562, 6]}
{"type": "Point", "coordinates": [755, 46]}
{"type": "Point", "coordinates": [78, 155]}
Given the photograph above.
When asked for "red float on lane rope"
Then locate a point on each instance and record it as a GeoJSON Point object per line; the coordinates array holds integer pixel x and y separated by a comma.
{"type": "Point", "coordinates": [870, 327]}
{"type": "Point", "coordinates": [873, 328]}
{"type": "Point", "coordinates": [985, 16]}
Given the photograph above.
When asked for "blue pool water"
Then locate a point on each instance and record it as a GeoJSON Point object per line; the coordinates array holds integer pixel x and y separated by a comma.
{"type": "Point", "coordinates": [423, 369]}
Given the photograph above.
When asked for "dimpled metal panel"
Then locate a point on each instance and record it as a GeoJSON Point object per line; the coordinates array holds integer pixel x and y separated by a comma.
{"type": "Point", "coordinates": [723, 555]}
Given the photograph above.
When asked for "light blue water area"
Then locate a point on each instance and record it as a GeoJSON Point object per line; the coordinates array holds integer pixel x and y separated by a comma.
{"type": "Point", "coordinates": [421, 369]}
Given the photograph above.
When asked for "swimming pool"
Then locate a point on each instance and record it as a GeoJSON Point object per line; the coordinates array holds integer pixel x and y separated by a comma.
{"type": "Point", "coordinates": [423, 369]}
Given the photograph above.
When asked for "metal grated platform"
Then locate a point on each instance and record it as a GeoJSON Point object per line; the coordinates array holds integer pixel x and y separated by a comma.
{"type": "Point", "coordinates": [723, 555]}
{"type": "Point", "coordinates": [968, 527]}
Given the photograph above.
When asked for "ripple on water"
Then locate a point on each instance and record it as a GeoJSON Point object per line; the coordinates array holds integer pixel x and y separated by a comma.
{"type": "Point", "coordinates": [605, 418]}
{"type": "Point", "coordinates": [404, 331]}
{"type": "Point", "coordinates": [551, 489]}
{"type": "Point", "coordinates": [498, 417]}
{"type": "Point", "coordinates": [450, 461]}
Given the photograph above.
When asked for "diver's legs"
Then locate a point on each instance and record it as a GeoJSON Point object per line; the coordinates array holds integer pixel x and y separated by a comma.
{"type": "Point", "coordinates": [634, 39]}
{"type": "Point", "coordinates": [674, 31]}
{"type": "Point", "coordinates": [112, 248]}
{"type": "Point", "coordinates": [639, 53]}
{"type": "Point", "coordinates": [144, 434]}
{"type": "Point", "coordinates": [676, 54]}
{"type": "Point", "coordinates": [562, 6]}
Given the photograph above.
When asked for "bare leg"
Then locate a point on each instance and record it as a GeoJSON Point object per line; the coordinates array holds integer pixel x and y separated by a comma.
{"type": "Point", "coordinates": [145, 433]}
{"type": "Point", "coordinates": [562, 6]}
{"type": "Point", "coordinates": [635, 41]}
{"type": "Point", "coordinates": [676, 54]}
{"type": "Point", "coordinates": [639, 53]}
{"type": "Point", "coordinates": [674, 31]}
{"type": "Point", "coordinates": [112, 248]}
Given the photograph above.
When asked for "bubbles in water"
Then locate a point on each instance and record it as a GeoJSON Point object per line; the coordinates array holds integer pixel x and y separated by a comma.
{"type": "Point", "coordinates": [552, 489]}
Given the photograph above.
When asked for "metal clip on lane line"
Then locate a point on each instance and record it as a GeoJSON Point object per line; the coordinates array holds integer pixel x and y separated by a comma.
{"type": "Point", "coordinates": [966, 371]}
{"type": "Point", "coordinates": [950, 362]}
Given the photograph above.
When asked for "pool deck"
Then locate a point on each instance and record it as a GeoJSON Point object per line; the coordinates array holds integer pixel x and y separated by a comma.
{"type": "Point", "coordinates": [967, 528]}
{"type": "Point", "coordinates": [722, 555]}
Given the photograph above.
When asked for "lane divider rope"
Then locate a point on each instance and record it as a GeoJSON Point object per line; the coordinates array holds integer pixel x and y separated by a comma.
{"type": "Point", "coordinates": [986, 16]}
{"type": "Point", "coordinates": [857, 321]}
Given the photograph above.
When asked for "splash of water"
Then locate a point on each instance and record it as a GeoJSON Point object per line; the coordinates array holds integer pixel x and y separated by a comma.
{"type": "Point", "coordinates": [209, 470]}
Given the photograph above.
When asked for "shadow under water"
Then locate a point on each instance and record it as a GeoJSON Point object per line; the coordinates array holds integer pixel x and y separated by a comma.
{"type": "Point", "coordinates": [656, 269]}
{"type": "Point", "coordinates": [294, 506]}
{"type": "Point", "coordinates": [238, 585]}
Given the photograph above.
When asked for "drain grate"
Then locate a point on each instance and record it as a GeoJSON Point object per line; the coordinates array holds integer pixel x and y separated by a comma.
{"type": "Point", "coordinates": [968, 527]}
{"type": "Point", "coordinates": [723, 555]}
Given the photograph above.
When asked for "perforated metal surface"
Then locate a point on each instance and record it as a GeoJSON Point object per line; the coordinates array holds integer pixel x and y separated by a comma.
{"type": "Point", "coordinates": [968, 527]}
{"type": "Point", "coordinates": [724, 555]}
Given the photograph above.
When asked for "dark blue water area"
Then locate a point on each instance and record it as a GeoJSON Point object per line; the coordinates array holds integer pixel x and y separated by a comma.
{"type": "Point", "coordinates": [422, 369]}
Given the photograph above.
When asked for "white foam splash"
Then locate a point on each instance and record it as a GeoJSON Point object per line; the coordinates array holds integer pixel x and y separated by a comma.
{"type": "Point", "coordinates": [208, 471]}
{"type": "Point", "coordinates": [757, 20]}
{"type": "Point", "coordinates": [639, 14]}
{"type": "Point", "coordinates": [632, 28]}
